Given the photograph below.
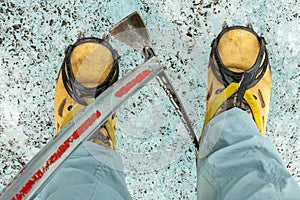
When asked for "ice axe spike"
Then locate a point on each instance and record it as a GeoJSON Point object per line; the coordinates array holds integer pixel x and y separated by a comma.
{"type": "Point", "coordinates": [132, 31]}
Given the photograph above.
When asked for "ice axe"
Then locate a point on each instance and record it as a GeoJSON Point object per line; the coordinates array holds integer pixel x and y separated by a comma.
{"type": "Point", "coordinates": [43, 165]}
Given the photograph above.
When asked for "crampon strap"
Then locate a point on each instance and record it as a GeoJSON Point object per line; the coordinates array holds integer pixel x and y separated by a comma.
{"type": "Point", "coordinates": [246, 79]}
{"type": "Point", "coordinates": [76, 90]}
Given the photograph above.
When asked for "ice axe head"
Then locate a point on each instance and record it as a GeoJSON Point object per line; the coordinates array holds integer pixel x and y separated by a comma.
{"type": "Point", "coordinates": [132, 31]}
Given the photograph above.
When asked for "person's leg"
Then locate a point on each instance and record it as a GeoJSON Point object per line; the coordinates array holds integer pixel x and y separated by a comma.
{"type": "Point", "coordinates": [235, 161]}
{"type": "Point", "coordinates": [91, 172]}
{"type": "Point", "coordinates": [242, 164]}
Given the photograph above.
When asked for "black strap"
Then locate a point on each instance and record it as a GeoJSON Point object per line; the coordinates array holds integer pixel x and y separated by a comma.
{"type": "Point", "coordinates": [73, 87]}
{"type": "Point", "coordinates": [246, 79]}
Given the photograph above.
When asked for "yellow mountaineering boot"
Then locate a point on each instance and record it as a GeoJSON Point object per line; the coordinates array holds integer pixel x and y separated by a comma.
{"type": "Point", "coordinates": [90, 66]}
{"type": "Point", "coordinates": [239, 75]}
